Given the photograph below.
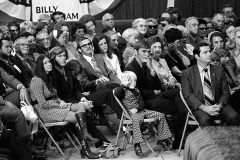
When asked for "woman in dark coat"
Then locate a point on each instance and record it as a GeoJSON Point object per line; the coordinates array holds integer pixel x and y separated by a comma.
{"type": "Point", "coordinates": [53, 109]}
{"type": "Point", "coordinates": [69, 89]}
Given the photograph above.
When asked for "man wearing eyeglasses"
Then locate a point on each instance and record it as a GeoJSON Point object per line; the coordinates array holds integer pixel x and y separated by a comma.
{"type": "Point", "coordinates": [14, 29]}
{"type": "Point", "coordinates": [23, 64]}
{"type": "Point", "coordinates": [95, 75]}
{"type": "Point", "coordinates": [109, 24]}
{"type": "Point", "coordinates": [43, 43]}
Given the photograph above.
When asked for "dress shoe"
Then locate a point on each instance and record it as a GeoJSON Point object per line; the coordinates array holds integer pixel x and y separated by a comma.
{"type": "Point", "coordinates": [138, 150]}
{"type": "Point", "coordinates": [163, 145]}
{"type": "Point", "coordinates": [169, 142]}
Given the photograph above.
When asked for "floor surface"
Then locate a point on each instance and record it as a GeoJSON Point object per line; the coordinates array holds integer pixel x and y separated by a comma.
{"type": "Point", "coordinates": [129, 154]}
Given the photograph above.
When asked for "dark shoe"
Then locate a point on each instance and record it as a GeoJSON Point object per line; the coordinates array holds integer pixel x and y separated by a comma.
{"type": "Point", "coordinates": [169, 142]}
{"type": "Point", "coordinates": [35, 151]}
{"type": "Point", "coordinates": [163, 145]}
{"type": "Point", "coordinates": [138, 150]}
{"type": "Point", "coordinates": [86, 152]}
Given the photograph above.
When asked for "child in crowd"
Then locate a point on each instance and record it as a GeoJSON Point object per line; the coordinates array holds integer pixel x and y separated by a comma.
{"type": "Point", "coordinates": [133, 101]}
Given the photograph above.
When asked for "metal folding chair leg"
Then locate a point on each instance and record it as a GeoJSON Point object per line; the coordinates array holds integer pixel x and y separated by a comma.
{"type": "Point", "coordinates": [156, 155]}
{"type": "Point", "coordinates": [119, 129]}
{"type": "Point", "coordinates": [71, 140]}
{"type": "Point", "coordinates": [55, 143]}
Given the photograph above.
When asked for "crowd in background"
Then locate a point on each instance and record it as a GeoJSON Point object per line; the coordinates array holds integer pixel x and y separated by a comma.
{"type": "Point", "coordinates": [67, 70]}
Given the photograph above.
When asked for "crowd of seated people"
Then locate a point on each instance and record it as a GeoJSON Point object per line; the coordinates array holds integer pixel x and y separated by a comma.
{"type": "Point", "coordinates": [65, 70]}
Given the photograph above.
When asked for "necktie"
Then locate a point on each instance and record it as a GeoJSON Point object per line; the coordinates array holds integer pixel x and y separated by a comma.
{"type": "Point", "coordinates": [207, 88]}
{"type": "Point", "coordinates": [96, 68]}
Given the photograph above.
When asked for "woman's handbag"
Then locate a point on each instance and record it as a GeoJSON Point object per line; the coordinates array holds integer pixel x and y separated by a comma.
{"type": "Point", "coordinates": [28, 112]}
{"type": "Point", "coordinates": [30, 115]}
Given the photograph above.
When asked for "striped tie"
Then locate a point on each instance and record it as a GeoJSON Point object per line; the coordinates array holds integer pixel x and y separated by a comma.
{"type": "Point", "coordinates": [207, 88]}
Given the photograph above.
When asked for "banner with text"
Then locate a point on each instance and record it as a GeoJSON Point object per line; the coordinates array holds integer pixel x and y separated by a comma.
{"type": "Point", "coordinates": [73, 9]}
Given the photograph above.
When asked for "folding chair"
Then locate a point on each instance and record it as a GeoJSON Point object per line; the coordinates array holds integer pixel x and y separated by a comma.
{"type": "Point", "coordinates": [126, 120]}
{"type": "Point", "coordinates": [99, 116]}
{"type": "Point", "coordinates": [67, 131]}
{"type": "Point", "coordinates": [190, 120]}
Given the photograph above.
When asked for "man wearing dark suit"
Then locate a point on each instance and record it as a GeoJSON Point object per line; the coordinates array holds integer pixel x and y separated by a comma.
{"type": "Point", "coordinates": [108, 24]}
{"type": "Point", "coordinates": [24, 64]}
{"type": "Point", "coordinates": [206, 91]}
{"type": "Point", "coordinates": [95, 74]}
{"type": "Point", "coordinates": [156, 98]}
{"type": "Point", "coordinates": [8, 64]}
{"type": "Point", "coordinates": [14, 118]}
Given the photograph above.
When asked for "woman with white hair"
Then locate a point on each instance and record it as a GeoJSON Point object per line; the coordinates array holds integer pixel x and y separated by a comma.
{"type": "Point", "coordinates": [234, 48]}
{"type": "Point", "coordinates": [131, 36]}
{"type": "Point", "coordinates": [140, 25]}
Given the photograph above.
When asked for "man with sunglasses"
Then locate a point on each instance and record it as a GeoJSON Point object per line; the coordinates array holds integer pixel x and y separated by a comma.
{"type": "Point", "coordinates": [95, 75]}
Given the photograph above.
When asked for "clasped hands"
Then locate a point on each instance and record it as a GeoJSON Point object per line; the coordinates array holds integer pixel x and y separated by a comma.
{"type": "Point", "coordinates": [212, 110]}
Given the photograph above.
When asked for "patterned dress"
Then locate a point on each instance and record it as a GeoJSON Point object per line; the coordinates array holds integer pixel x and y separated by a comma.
{"type": "Point", "coordinates": [48, 107]}
{"type": "Point", "coordinates": [133, 99]}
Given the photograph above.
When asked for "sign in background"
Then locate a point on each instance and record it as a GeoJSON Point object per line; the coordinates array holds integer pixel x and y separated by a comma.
{"type": "Point", "coordinates": [73, 9]}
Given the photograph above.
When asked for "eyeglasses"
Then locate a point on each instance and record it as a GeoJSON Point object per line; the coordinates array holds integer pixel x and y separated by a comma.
{"type": "Point", "coordinates": [44, 39]}
{"type": "Point", "coordinates": [12, 30]}
{"type": "Point", "coordinates": [86, 45]}
{"type": "Point", "coordinates": [153, 27]}
{"type": "Point", "coordinates": [203, 29]}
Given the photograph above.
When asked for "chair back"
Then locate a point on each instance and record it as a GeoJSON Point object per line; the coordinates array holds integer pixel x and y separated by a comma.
{"type": "Point", "coordinates": [189, 110]}
{"type": "Point", "coordinates": [126, 113]}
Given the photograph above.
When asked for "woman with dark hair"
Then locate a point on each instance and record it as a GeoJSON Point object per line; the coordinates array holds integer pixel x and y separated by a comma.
{"type": "Point", "coordinates": [41, 26]}
{"type": "Point", "coordinates": [69, 89]}
{"type": "Point", "coordinates": [90, 25]}
{"type": "Point", "coordinates": [77, 31]}
{"type": "Point", "coordinates": [216, 40]}
{"type": "Point", "coordinates": [51, 108]}
{"type": "Point", "coordinates": [57, 38]}
{"type": "Point", "coordinates": [100, 44]}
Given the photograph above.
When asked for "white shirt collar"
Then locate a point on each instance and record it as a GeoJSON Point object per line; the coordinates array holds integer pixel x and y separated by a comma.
{"type": "Point", "coordinates": [89, 59]}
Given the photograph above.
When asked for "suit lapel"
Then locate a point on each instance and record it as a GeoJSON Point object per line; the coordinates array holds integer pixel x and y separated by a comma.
{"type": "Point", "coordinates": [101, 64]}
{"type": "Point", "coordinates": [213, 79]}
{"type": "Point", "coordinates": [88, 66]}
{"type": "Point", "coordinates": [198, 82]}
